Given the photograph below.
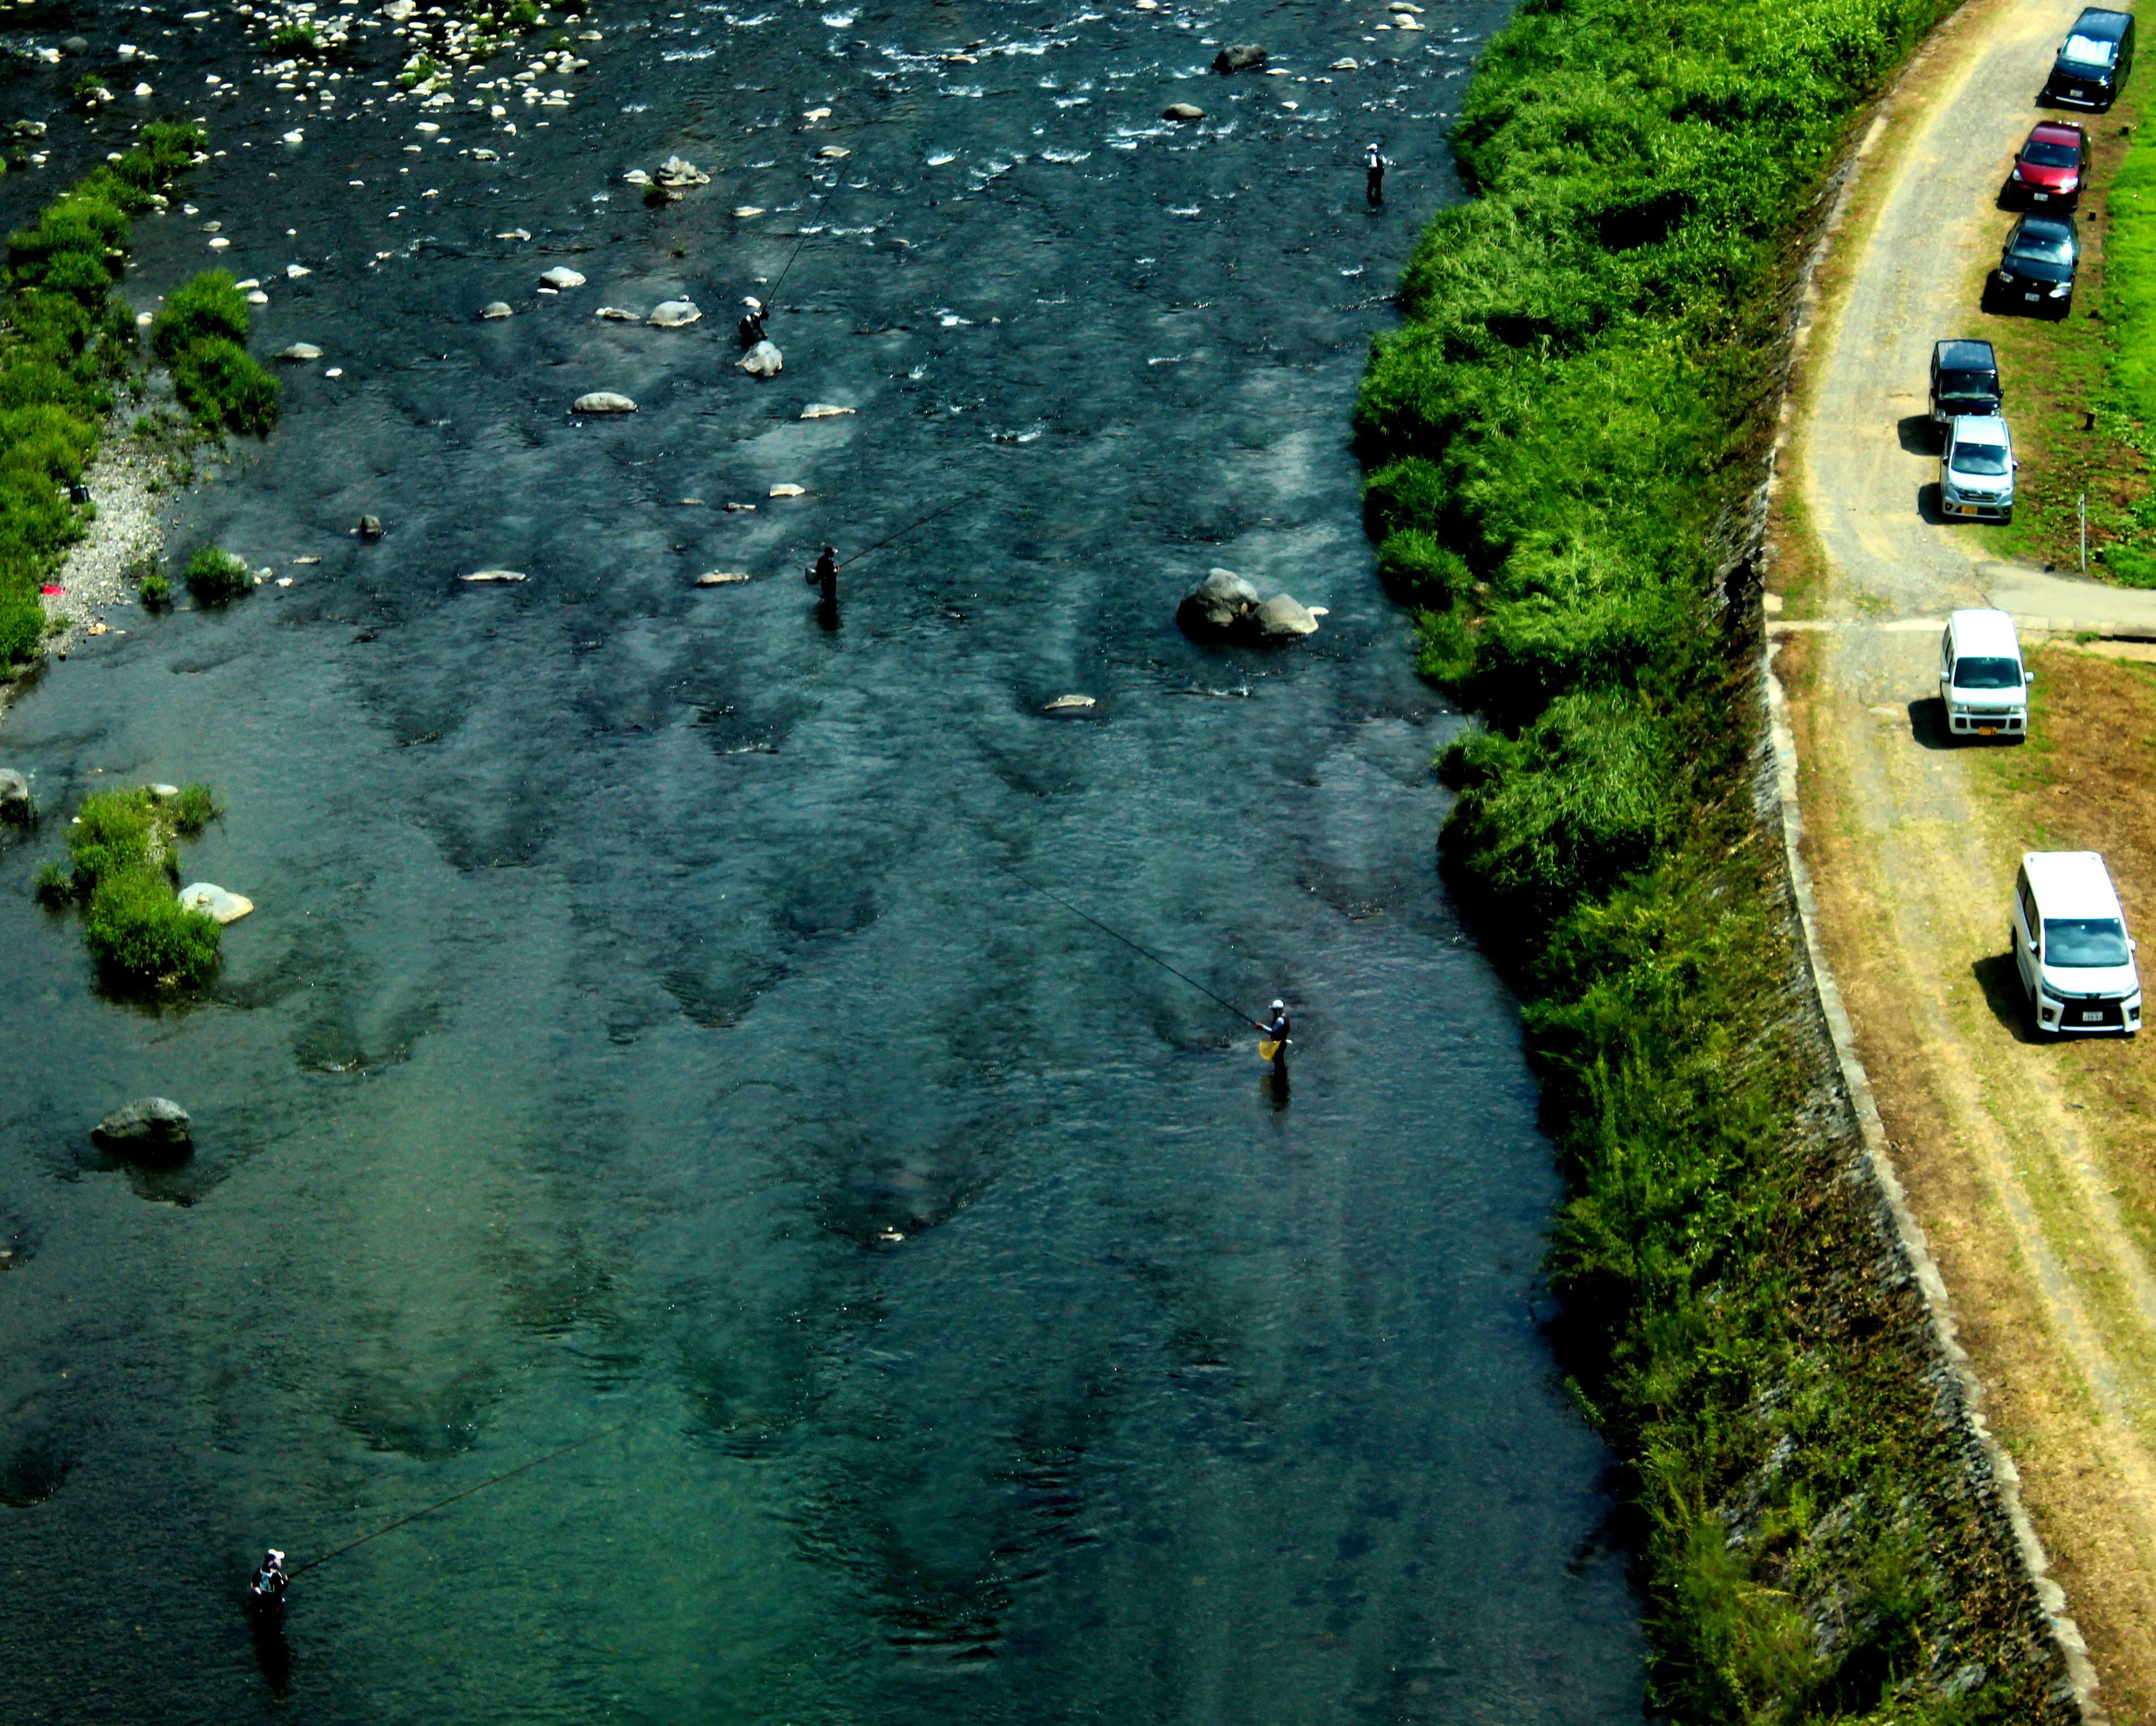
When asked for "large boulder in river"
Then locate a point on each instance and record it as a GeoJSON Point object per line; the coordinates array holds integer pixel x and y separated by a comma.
{"type": "Point", "coordinates": [604, 401]}
{"type": "Point", "coordinates": [674, 314]}
{"type": "Point", "coordinates": [1246, 57]}
{"type": "Point", "coordinates": [1184, 112]}
{"type": "Point", "coordinates": [14, 796]}
{"type": "Point", "coordinates": [764, 360]}
{"type": "Point", "coordinates": [149, 1126]}
{"type": "Point", "coordinates": [1225, 609]}
{"type": "Point", "coordinates": [561, 277]}
{"type": "Point", "coordinates": [215, 901]}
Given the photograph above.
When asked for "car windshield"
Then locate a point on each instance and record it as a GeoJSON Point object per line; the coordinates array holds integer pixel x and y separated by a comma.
{"type": "Point", "coordinates": [1969, 386]}
{"type": "Point", "coordinates": [2039, 153]}
{"type": "Point", "coordinates": [1986, 461]}
{"type": "Point", "coordinates": [2088, 51]}
{"type": "Point", "coordinates": [2084, 941]}
{"type": "Point", "coordinates": [2043, 245]}
{"type": "Point", "coordinates": [1987, 673]}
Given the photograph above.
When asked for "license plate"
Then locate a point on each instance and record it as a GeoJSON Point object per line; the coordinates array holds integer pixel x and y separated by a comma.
{"type": "Point", "coordinates": [1987, 731]}
{"type": "Point", "coordinates": [2092, 1019]}
{"type": "Point", "coordinates": [2032, 297]}
{"type": "Point", "coordinates": [2039, 197]}
{"type": "Point", "coordinates": [1964, 509]}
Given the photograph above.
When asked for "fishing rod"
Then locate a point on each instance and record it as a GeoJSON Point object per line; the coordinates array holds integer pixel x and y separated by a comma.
{"type": "Point", "coordinates": [1076, 911]}
{"type": "Point", "coordinates": [852, 559]}
{"type": "Point", "coordinates": [771, 303]}
{"type": "Point", "coordinates": [497, 1480]}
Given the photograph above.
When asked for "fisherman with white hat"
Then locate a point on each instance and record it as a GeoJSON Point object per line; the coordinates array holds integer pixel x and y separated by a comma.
{"type": "Point", "coordinates": [1374, 165]}
{"type": "Point", "coordinates": [1274, 1038]}
{"type": "Point", "coordinates": [750, 327]}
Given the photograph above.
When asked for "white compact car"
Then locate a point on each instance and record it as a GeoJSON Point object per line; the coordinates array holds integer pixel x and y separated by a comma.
{"type": "Point", "coordinates": [1982, 681]}
{"type": "Point", "coordinates": [1976, 469]}
{"type": "Point", "coordinates": [2071, 946]}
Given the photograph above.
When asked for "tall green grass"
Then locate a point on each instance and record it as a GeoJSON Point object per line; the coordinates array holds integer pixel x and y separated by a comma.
{"type": "Point", "coordinates": [123, 869]}
{"type": "Point", "coordinates": [1573, 407]}
{"type": "Point", "coordinates": [66, 340]}
{"type": "Point", "coordinates": [2129, 311]}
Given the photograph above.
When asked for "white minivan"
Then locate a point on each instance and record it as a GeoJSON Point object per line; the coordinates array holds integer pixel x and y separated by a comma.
{"type": "Point", "coordinates": [2070, 947]}
{"type": "Point", "coordinates": [1983, 683]}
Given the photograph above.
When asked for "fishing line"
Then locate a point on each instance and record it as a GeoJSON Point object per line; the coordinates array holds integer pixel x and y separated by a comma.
{"type": "Point", "coordinates": [511, 1474]}
{"type": "Point", "coordinates": [772, 303]}
{"type": "Point", "coordinates": [853, 560]}
{"type": "Point", "coordinates": [1126, 940]}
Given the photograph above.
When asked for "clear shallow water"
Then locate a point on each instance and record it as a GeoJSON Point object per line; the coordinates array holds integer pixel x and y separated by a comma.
{"type": "Point", "coordinates": [638, 1023]}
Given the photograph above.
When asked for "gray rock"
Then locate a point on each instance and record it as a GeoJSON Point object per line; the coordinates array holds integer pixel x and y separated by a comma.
{"type": "Point", "coordinates": [496, 308]}
{"type": "Point", "coordinates": [164, 792]}
{"type": "Point", "coordinates": [674, 314]}
{"type": "Point", "coordinates": [213, 901]}
{"type": "Point", "coordinates": [1071, 704]}
{"type": "Point", "coordinates": [1246, 57]}
{"type": "Point", "coordinates": [149, 1123]}
{"type": "Point", "coordinates": [619, 315]}
{"type": "Point", "coordinates": [370, 526]}
{"type": "Point", "coordinates": [1184, 111]}
{"type": "Point", "coordinates": [764, 360]}
{"type": "Point", "coordinates": [1214, 611]}
{"type": "Point", "coordinates": [1281, 617]}
{"type": "Point", "coordinates": [562, 277]}
{"type": "Point", "coordinates": [604, 401]}
{"type": "Point", "coordinates": [299, 351]}
{"type": "Point", "coordinates": [75, 45]}
{"type": "Point", "coordinates": [14, 796]}
{"type": "Point", "coordinates": [674, 172]}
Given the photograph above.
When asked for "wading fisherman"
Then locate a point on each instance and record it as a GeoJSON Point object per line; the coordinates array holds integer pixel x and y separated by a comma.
{"type": "Point", "coordinates": [1373, 167]}
{"type": "Point", "coordinates": [826, 574]}
{"type": "Point", "coordinates": [265, 1594]}
{"type": "Point", "coordinates": [751, 328]}
{"type": "Point", "coordinates": [1273, 1039]}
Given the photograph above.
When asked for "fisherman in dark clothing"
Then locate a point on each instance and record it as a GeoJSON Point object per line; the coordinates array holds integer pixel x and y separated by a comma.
{"type": "Point", "coordinates": [1374, 165]}
{"type": "Point", "coordinates": [751, 328]}
{"type": "Point", "coordinates": [1274, 1030]}
{"type": "Point", "coordinates": [826, 574]}
{"type": "Point", "coordinates": [266, 1593]}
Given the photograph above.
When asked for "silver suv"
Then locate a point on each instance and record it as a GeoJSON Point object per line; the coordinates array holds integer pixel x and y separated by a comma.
{"type": "Point", "coordinates": [1976, 469]}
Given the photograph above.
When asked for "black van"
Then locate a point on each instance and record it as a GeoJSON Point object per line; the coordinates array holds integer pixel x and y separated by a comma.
{"type": "Point", "coordinates": [2091, 67]}
{"type": "Point", "coordinates": [1964, 380]}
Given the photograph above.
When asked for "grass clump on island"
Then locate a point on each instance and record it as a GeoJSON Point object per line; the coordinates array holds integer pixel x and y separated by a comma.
{"type": "Point", "coordinates": [214, 575]}
{"type": "Point", "coordinates": [65, 340]}
{"type": "Point", "coordinates": [1561, 439]}
{"type": "Point", "coordinates": [123, 869]}
{"type": "Point", "coordinates": [201, 336]}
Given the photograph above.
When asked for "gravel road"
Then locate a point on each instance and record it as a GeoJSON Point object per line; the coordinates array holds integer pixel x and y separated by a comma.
{"type": "Point", "coordinates": [2008, 1169]}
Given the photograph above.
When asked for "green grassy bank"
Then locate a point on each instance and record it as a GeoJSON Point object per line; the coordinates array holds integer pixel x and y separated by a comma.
{"type": "Point", "coordinates": [1560, 439]}
{"type": "Point", "coordinates": [68, 341]}
{"type": "Point", "coordinates": [2123, 507]}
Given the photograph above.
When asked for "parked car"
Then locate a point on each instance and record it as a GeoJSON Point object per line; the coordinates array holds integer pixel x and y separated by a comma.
{"type": "Point", "coordinates": [1983, 683]}
{"type": "Point", "coordinates": [2052, 166]}
{"type": "Point", "coordinates": [1964, 379]}
{"type": "Point", "coordinates": [1976, 469]}
{"type": "Point", "coordinates": [2093, 65]}
{"type": "Point", "coordinates": [2071, 948]}
{"type": "Point", "coordinates": [2037, 266]}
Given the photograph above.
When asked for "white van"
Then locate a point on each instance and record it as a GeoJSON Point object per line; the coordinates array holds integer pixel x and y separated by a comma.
{"type": "Point", "coordinates": [1983, 683]}
{"type": "Point", "coordinates": [2071, 946]}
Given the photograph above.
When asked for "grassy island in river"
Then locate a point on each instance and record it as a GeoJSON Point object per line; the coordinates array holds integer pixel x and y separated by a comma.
{"type": "Point", "coordinates": [1562, 441]}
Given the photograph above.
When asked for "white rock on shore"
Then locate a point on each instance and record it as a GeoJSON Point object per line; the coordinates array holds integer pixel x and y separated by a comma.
{"type": "Point", "coordinates": [604, 401]}
{"type": "Point", "coordinates": [824, 410]}
{"type": "Point", "coordinates": [560, 276]}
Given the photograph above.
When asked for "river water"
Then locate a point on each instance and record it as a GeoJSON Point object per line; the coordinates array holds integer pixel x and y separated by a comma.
{"type": "Point", "coordinates": [641, 1025]}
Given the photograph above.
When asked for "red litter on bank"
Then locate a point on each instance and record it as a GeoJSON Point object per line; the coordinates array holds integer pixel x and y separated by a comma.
{"type": "Point", "coordinates": [49, 588]}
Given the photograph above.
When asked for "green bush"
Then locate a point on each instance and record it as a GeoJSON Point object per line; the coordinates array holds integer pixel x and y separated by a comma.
{"type": "Point", "coordinates": [222, 386]}
{"type": "Point", "coordinates": [155, 591]}
{"type": "Point", "coordinates": [139, 934]}
{"type": "Point", "coordinates": [214, 575]}
{"type": "Point", "coordinates": [208, 308]}
{"type": "Point", "coordinates": [115, 832]}
{"type": "Point", "coordinates": [193, 808]}
{"type": "Point", "coordinates": [293, 39]}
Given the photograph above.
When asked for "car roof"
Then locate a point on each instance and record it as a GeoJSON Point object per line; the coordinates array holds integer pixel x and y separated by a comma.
{"type": "Point", "coordinates": [1979, 428]}
{"type": "Point", "coordinates": [2045, 227]}
{"type": "Point", "coordinates": [2101, 21]}
{"type": "Point", "coordinates": [1987, 633]}
{"type": "Point", "coordinates": [1960, 353]}
{"type": "Point", "coordinates": [2071, 884]}
{"type": "Point", "coordinates": [2056, 131]}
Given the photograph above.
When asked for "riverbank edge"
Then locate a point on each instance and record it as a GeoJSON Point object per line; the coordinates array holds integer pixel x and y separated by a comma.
{"type": "Point", "coordinates": [1836, 1136]}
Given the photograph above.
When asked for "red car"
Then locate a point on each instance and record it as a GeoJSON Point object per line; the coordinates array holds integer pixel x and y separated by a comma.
{"type": "Point", "coordinates": [2052, 166]}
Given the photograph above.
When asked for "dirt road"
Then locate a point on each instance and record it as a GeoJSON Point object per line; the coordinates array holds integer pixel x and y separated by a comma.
{"type": "Point", "coordinates": [2013, 1164]}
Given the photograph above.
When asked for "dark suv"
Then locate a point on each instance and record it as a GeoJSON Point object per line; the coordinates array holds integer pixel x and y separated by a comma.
{"type": "Point", "coordinates": [2093, 65]}
{"type": "Point", "coordinates": [2037, 270]}
{"type": "Point", "coordinates": [1964, 380]}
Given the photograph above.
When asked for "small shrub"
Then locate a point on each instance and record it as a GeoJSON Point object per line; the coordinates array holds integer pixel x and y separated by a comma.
{"type": "Point", "coordinates": [139, 933]}
{"type": "Point", "coordinates": [294, 39]}
{"type": "Point", "coordinates": [524, 16]}
{"type": "Point", "coordinates": [192, 808]}
{"type": "Point", "coordinates": [155, 591]}
{"type": "Point", "coordinates": [55, 886]}
{"type": "Point", "coordinates": [114, 832]}
{"type": "Point", "coordinates": [213, 576]}
{"type": "Point", "coordinates": [209, 307]}
{"type": "Point", "coordinates": [224, 389]}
